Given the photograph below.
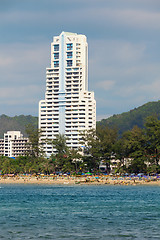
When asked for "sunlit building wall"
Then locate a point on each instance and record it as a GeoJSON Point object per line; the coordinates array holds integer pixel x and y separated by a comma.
{"type": "Point", "coordinates": [68, 108]}
{"type": "Point", "coordinates": [14, 144]}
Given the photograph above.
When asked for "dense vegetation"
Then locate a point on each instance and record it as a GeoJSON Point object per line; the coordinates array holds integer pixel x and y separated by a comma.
{"type": "Point", "coordinates": [133, 138]}
{"type": "Point", "coordinates": [127, 120]}
{"type": "Point", "coordinates": [17, 123]}
{"type": "Point", "coordinates": [138, 150]}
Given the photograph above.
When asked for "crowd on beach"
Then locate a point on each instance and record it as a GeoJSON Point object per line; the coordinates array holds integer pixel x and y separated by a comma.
{"type": "Point", "coordinates": [80, 179]}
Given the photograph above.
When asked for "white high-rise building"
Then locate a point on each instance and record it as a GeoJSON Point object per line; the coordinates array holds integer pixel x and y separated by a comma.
{"type": "Point", "coordinates": [69, 108]}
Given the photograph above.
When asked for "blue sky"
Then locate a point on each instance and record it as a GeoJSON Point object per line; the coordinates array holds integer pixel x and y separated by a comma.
{"type": "Point", "coordinates": [124, 50]}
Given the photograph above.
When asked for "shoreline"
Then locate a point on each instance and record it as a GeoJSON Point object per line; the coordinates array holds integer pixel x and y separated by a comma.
{"type": "Point", "coordinates": [26, 180]}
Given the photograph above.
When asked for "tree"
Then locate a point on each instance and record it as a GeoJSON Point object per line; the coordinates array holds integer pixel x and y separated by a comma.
{"type": "Point", "coordinates": [10, 166]}
{"type": "Point", "coordinates": [135, 149]}
{"type": "Point", "coordinates": [120, 154]}
{"type": "Point", "coordinates": [99, 145]}
{"type": "Point", "coordinates": [46, 166]}
{"type": "Point", "coordinates": [107, 139]}
{"type": "Point", "coordinates": [74, 160]}
{"type": "Point", "coordinates": [152, 133]}
{"type": "Point", "coordinates": [91, 149]}
{"type": "Point", "coordinates": [61, 151]}
{"type": "Point", "coordinates": [34, 144]}
{"type": "Point", "coordinates": [60, 144]}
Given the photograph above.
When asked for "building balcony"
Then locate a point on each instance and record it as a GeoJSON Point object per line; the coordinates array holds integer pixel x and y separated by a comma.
{"type": "Point", "coordinates": [51, 76]}
{"type": "Point", "coordinates": [55, 123]}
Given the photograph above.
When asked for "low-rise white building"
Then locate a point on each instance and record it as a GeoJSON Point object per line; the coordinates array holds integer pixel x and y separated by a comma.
{"type": "Point", "coordinates": [13, 144]}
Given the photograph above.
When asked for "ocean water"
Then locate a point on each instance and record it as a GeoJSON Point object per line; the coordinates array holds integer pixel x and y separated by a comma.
{"type": "Point", "coordinates": [79, 212]}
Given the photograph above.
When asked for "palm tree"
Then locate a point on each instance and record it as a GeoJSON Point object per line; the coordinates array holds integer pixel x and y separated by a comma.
{"type": "Point", "coordinates": [60, 144]}
{"type": "Point", "coordinates": [61, 151]}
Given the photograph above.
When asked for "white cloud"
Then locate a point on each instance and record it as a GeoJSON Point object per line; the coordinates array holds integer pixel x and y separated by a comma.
{"type": "Point", "coordinates": [107, 52]}
{"type": "Point", "coordinates": [131, 17]}
{"type": "Point", "coordinates": [19, 95]}
{"type": "Point", "coordinates": [135, 18]}
{"type": "Point", "coordinates": [5, 61]}
{"type": "Point", "coordinates": [100, 117]}
{"type": "Point", "coordinates": [95, 14]}
{"type": "Point", "coordinates": [22, 64]}
{"type": "Point", "coordinates": [116, 60]}
{"type": "Point", "coordinates": [153, 87]}
{"type": "Point", "coordinates": [105, 85]}
{"type": "Point", "coordinates": [22, 53]}
{"type": "Point", "coordinates": [139, 89]}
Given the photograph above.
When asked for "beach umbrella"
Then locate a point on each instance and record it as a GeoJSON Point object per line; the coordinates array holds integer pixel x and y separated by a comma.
{"type": "Point", "coordinates": [89, 173]}
{"type": "Point", "coordinates": [126, 174]}
{"type": "Point", "coordinates": [132, 174]}
{"type": "Point", "coordinates": [140, 174]}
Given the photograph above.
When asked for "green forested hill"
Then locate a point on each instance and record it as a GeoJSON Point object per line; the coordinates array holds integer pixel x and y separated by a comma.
{"type": "Point", "coordinates": [137, 116]}
{"type": "Point", "coordinates": [122, 122]}
{"type": "Point", "coordinates": [16, 123]}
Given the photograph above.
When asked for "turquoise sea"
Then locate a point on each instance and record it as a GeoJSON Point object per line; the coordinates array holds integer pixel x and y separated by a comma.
{"type": "Point", "coordinates": [79, 212]}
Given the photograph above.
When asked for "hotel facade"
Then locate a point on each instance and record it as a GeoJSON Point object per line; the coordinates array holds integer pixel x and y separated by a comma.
{"type": "Point", "coordinates": [68, 108]}
{"type": "Point", "coordinates": [14, 144]}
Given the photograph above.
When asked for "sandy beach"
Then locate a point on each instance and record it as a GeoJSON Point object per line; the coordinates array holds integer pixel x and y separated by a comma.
{"type": "Point", "coordinates": [71, 180]}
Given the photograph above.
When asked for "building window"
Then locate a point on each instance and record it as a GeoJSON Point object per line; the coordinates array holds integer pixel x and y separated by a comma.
{"type": "Point", "coordinates": [56, 63]}
{"type": "Point", "coordinates": [56, 56]}
{"type": "Point", "coordinates": [56, 47]}
{"type": "Point", "coordinates": [69, 54]}
{"type": "Point", "coordinates": [69, 63]}
{"type": "Point", "coordinates": [69, 46]}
